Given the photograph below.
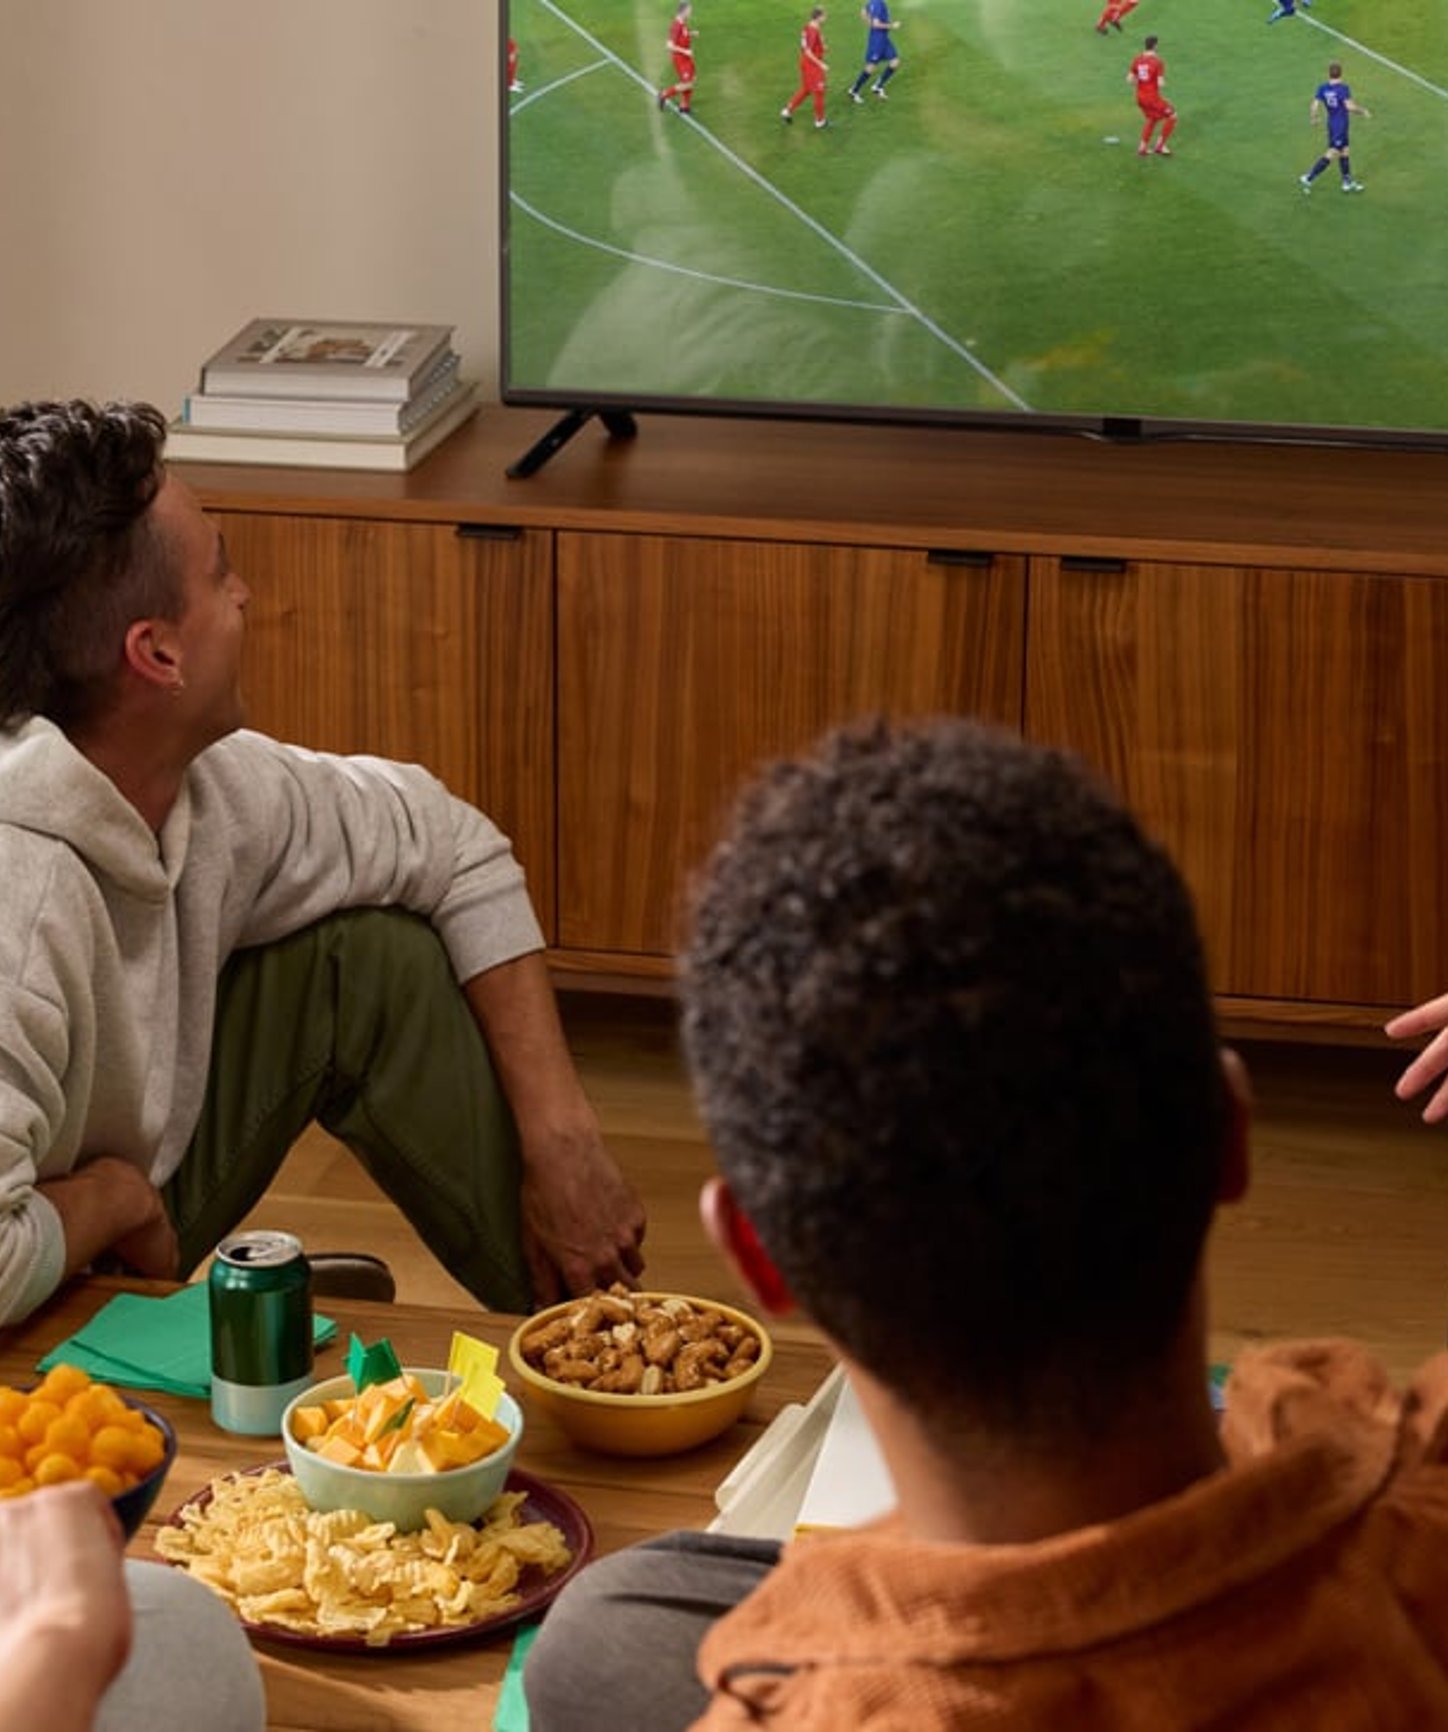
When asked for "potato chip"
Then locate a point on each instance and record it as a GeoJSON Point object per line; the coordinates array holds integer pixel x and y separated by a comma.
{"type": "Point", "coordinates": [255, 1542]}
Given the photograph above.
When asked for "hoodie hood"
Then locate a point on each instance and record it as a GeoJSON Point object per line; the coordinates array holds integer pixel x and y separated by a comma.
{"type": "Point", "coordinates": [51, 790]}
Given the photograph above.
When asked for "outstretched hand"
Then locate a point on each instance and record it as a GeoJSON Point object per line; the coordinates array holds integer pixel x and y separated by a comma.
{"type": "Point", "coordinates": [583, 1223]}
{"type": "Point", "coordinates": [65, 1618]}
{"type": "Point", "coordinates": [1432, 1062]}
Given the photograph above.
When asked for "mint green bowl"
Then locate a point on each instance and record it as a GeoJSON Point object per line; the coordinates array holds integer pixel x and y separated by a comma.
{"type": "Point", "coordinates": [459, 1493]}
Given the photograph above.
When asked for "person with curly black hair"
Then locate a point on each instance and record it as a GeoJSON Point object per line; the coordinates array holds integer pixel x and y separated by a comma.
{"type": "Point", "coordinates": [947, 1014]}
{"type": "Point", "coordinates": [208, 938]}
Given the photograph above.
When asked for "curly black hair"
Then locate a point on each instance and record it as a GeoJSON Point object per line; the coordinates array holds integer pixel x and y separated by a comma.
{"type": "Point", "coordinates": [947, 1014]}
{"type": "Point", "coordinates": [79, 560]}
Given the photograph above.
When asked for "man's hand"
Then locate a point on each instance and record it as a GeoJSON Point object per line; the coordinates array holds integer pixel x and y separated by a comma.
{"type": "Point", "coordinates": [110, 1205]}
{"type": "Point", "coordinates": [151, 1250]}
{"type": "Point", "coordinates": [583, 1223]}
{"type": "Point", "coordinates": [65, 1617]}
{"type": "Point", "coordinates": [1432, 1062]}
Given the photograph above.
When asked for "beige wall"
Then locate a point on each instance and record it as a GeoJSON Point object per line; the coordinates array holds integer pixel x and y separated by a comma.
{"type": "Point", "coordinates": [171, 168]}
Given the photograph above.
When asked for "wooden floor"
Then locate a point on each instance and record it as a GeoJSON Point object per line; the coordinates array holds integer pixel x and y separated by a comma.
{"type": "Point", "coordinates": [1345, 1230]}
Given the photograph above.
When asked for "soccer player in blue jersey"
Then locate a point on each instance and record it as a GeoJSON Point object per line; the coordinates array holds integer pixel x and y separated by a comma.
{"type": "Point", "coordinates": [879, 50]}
{"type": "Point", "coordinates": [1334, 99]}
{"type": "Point", "coordinates": [1287, 9]}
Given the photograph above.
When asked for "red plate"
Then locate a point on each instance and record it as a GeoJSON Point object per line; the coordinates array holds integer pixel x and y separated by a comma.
{"type": "Point", "coordinates": [541, 1503]}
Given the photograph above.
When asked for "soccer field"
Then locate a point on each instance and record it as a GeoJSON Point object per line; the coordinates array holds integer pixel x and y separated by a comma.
{"type": "Point", "coordinates": [987, 239]}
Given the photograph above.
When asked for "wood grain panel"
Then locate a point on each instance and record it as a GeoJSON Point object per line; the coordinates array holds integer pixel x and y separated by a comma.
{"type": "Point", "coordinates": [1278, 730]}
{"type": "Point", "coordinates": [409, 641]}
{"type": "Point", "coordinates": [1013, 491]}
{"type": "Point", "coordinates": [515, 705]}
{"type": "Point", "coordinates": [684, 664]}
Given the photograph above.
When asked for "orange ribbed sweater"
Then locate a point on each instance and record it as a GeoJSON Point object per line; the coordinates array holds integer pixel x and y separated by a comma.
{"type": "Point", "coordinates": [1306, 1585]}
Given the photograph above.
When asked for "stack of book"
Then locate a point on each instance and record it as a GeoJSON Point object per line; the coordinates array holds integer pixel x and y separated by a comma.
{"type": "Point", "coordinates": [338, 394]}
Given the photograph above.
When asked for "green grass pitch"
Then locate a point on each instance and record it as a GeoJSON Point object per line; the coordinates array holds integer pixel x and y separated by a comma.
{"type": "Point", "coordinates": [987, 239]}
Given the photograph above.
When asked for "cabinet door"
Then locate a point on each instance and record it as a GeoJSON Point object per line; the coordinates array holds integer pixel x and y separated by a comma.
{"type": "Point", "coordinates": [683, 664]}
{"type": "Point", "coordinates": [418, 642]}
{"type": "Point", "coordinates": [1284, 733]}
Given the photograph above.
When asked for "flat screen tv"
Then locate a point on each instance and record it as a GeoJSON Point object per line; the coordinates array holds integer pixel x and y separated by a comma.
{"type": "Point", "coordinates": [989, 230]}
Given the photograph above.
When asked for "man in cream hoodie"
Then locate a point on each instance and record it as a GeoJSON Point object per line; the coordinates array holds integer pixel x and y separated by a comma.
{"type": "Point", "coordinates": [208, 938]}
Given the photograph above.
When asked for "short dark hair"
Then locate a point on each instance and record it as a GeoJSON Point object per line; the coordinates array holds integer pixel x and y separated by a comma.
{"type": "Point", "coordinates": [1150, 42]}
{"type": "Point", "coordinates": [1335, 70]}
{"type": "Point", "coordinates": [79, 560]}
{"type": "Point", "coordinates": [946, 1010]}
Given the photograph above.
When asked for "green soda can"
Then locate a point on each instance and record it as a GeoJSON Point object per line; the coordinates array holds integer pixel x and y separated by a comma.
{"type": "Point", "coordinates": [261, 1330]}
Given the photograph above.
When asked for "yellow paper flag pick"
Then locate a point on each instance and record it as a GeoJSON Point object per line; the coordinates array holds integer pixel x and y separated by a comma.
{"type": "Point", "coordinates": [474, 1363]}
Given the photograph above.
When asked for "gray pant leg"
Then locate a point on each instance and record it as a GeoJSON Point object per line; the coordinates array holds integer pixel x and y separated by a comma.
{"type": "Point", "coordinates": [617, 1649]}
{"type": "Point", "coordinates": [190, 1666]}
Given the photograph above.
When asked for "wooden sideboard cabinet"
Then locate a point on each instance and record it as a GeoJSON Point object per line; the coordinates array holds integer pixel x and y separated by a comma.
{"type": "Point", "coordinates": [420, 641]}
{"type": "Point", "coordinates": [1285, 733]}
{"type": "Point", "coordinates": [1247, 641]}
{"type": "Point", "coordinates": [684, 664]}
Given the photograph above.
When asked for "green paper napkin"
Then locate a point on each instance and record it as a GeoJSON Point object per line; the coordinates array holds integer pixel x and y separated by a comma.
{"type": "Point", "coordinates": [163, 1344]}
{"type": "Point", "coordinates": [512, 1711]}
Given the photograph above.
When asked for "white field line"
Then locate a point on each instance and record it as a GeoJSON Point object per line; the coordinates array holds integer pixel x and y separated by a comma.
{"type": "Point", "coordinates": [702, 276]}
{"type": "Point", "coordinates": [557, 84]}
{"type": "Point", "coordinates": [1372, 54]}
{"type": "Point", "coordinates": [902, 301]}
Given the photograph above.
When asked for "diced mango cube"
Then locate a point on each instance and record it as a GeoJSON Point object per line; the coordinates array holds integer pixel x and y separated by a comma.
{"type": "Point", "coordinates": [447, 1408]}
{"type": "Point", "coordinates": [439, 1449]}
{"type": "Point", "coordinates": [486, 1436]}
{"type": "Point", "coordinates": [410, 1457]}
{"type": "Point", "coordinates": [309, 1422]}
{"type": "Point", "coordinates": [378, 1407]}
{"type": "Point", "coordinates": [338, 1449]}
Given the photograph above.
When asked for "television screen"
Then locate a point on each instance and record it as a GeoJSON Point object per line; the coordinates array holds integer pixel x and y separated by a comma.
{"type": "Point", "coordinates": [982, 209]}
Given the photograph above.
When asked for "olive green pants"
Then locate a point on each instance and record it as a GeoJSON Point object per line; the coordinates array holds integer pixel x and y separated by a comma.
{"type": "Point", "coordinates": [359, 1023]}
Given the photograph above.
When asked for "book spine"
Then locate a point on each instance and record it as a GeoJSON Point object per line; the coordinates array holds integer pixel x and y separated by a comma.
{"type": "Point", "coordinates": [322, 415]}
{"type": "Point", "coordinates": [207, 445]}
{"type": "Point", "coordinates": [316, 382]}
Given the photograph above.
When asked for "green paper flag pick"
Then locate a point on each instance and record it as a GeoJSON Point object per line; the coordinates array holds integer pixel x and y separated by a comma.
{"type": "Point", "coordinates": [375, 1364]}
{"type": "Point", "coordinates": [475, 1364]}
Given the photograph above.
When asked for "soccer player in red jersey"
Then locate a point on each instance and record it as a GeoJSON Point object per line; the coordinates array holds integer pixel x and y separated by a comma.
{"type": "Point", "coordinates": [681, 47]}
{"type": "Point", "coordinates": [1146, 75]}
{"type": "Point", "coordinates": [812, 69]}
{"type": "Point", "coordinates": [1113, 12]}
{"type": "Point", "coordinates": [514, 82]}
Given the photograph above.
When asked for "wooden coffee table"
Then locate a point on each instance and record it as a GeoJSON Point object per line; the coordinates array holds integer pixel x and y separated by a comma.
{"type": "Point", "coordinates": [447, 1689]}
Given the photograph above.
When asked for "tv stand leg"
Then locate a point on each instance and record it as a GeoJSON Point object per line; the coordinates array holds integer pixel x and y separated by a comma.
{"type": "Point", "coordinates": [619, 423]}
